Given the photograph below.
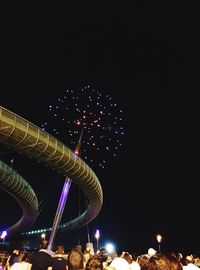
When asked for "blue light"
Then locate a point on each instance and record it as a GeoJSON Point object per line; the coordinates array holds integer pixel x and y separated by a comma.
{"type": "Point", "coordinates": [3, 234]}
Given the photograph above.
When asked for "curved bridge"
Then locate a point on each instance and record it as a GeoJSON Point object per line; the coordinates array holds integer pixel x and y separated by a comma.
{"type": "Point", "coordinates": [17, 187]}
{"type": "Point", "coordinates": [26, 138]}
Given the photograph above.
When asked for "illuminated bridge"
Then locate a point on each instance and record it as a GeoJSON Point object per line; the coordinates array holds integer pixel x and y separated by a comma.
{"type": "Point", "coordinates": [18, 188]}
{"type": "Point", "coordinates": [28, 139]}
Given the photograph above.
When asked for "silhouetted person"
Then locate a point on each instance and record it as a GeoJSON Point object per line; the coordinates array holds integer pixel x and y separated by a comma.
{"type": "Point", "coordinates": [41, 259]}
{"type": "Point", "coordinates": [59, 259]}
{"type": "Point", "coordinates": [75, 260]}
{"type": "Point", "coordinates": [13, 258]}
{"type": "Point", "coordinates": [23, 263]}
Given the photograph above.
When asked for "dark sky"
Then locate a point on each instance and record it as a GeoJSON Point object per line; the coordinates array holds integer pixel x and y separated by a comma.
{"type": "Point", "coordinates": [146, 56]}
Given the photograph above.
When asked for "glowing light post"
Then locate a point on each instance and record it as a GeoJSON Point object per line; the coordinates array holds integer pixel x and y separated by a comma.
{"type": "Point", "coordinates": [159, 239]}
{"type": "Point", "coordinates": [43, 236]}
{"type": "Point", "coordinates": [59, 212]}
{"type": "Point", "coordinates": [63, 199]}
{"type": "Point", "coordinates": [97, 235]}
{"type": "Point", "coordinates": [3, 236]}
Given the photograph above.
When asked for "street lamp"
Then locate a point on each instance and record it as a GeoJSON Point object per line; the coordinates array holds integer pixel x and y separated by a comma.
{"type": "Point", "coordinates": [3, 236]}
{"type": "Point", "coordinates": [97, 235]}
{"type": "Point", "coordinates": [43, 236]}
{"type": "Point", "coordinates": [159, 239]}
{"type": "Point", "coordinates": [110, 248]}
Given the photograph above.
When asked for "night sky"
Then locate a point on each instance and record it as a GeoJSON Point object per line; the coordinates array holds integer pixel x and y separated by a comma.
{"type": "Point", "coordinates": [146, 57]}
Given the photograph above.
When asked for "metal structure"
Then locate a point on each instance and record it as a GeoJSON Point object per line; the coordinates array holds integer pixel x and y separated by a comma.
{"type": "Point", "coordinates": [28, 139]}
{"type": "Point", "coordinates": [63, 199]}
{"type": "Point", "coordinates": [60, 210]}
{"type": "Point", "coordinates": [22, 192]}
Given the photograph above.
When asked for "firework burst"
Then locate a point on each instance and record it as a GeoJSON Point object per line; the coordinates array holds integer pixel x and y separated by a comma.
{"type": "Point", "coordinates": [96, 115]}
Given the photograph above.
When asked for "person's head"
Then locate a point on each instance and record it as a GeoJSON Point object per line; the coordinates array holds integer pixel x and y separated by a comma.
{"type": "Point", "coordinates": [151, 252]}
{"type": "Point", "coordinates": [120, 263]}
{"type": "Point", "coordinates": [15, 252]}
{"type": "Point", "coordinates": [94, 263]}
{"type": "Point", "coordinates": [127, 257]}
{"type": "Point", "coordinates": [23, 256]}
{"type": "Point", "coordinates": [44, 244]}
{"type": "Point", "coordinates": [103, 254]}
{"type": "Point", "coordinates": [60, 250]}
{"type": "Point", "coordinates": [87, 249]}
{"type": "Point", "coordinates": [174, 263]}
{"type": "Point", "coordinates": [159, 262]}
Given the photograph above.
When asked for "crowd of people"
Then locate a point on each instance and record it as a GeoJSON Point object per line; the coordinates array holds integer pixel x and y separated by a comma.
{"type": "Point", "coordinates": [45, 259]}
